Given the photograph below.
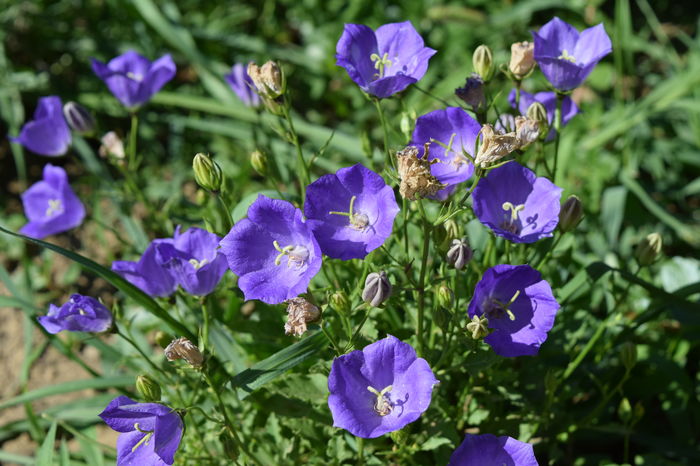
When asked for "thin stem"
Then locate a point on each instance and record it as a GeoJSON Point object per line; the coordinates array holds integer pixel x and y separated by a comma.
{"type": "Point", "coordinates": [507, 251]}
{"type": "Point", "coordinates": [557, 127]}
{"type": "Point", "coordinates": [226, 212]}
{"type": "Point", "coordinates": [141, 352]}
{"type": "Point", "coordinates": [382, 119]}
{"type": "Point", "coordinates": [360, 451]}
{"type": "Point", "coordinates": [133, 136]}
{"type": "Point", "coordinates": [471, 188]}
{"type": "Point", "coordinates": [550, 251]}
{"type": "Point", "coordinates": [421, 281]}
{"type": "Point", "coordinates": [205, 326]}
{"type": "Point", "coordinates": [431, 95]}
{"type": "Point", "coordinates": [301, 163]}
{"type": "Point", "coordinates": [358, 330]}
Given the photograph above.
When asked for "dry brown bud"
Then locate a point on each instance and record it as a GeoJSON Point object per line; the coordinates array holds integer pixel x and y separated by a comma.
{"type": "Point", "coordinates": [299, 313]}
{"type": "Point", "coordinates": [182, 348]}
{"type": "Point", "coordinates": [495, 146]}
{"type": "Point", "coordinates": [416, 179]}
{"type": "Point", "coordinates": [268, 79]}
{"type": "Point", "coordinates": [527, 131]}
{"type": "Point", "coordinates": [522, 58]}
{"type": "Point", "coordinates": [112, 146]}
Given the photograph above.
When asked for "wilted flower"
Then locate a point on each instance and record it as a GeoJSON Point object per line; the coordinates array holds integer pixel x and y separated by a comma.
{"type": "Point", "coordinates": [79, 314]}
{"type": "Point", "coordinates": [522, 59]}
{"type": "Point", "coordinates": [380, 389]}
{"type": "Point", "coordinates": [566, 57]}
{"type": "Point", "coordinates": [351, 212]}
{"type": "Point", "coordinates": [48, 133]}
{"type": "Point", "coordinates": [516, 204]}
{"type": "Point", "coordinates": [384, 62]}
{"type": "Point", "coordinates": [519, 306]}
{"type": "Point", "coordinates": [482, 60]}
{"type": "Point", "coordinates": [79, 118]}
{"type": "Point", "coordinates": [452, 134]}
{"type": "Point", "coordinates": [526, 130]}
{"type": "Point", "coordinates": [459, 253]}
{"type": "Point", "coordinates": [377, 288]}
{"type": "Point", "coordinates": [132, 78]}
{"type": "Point", "coordinates": [299, 313]}
{"type": "Point", "coordinates": [150, 432]}
{"type": "Point", "coordinates": [243, 85]}
{"type": "Point", "coordinates": [273, 251]}
{"type": "Point", "coordinates": [549, 100]}
{"type": "Point", "coordinates": [148, 273]}
{"type": "Point", "coordinates": [495, 145]}
{"type": "Point", "coordinates": [414, 170]}
{"type": "Point", "coordinates": [51, 205]}
{"type": "Point", "coordinates": [473, 92]}
{"type": "Point", "coordinates": [488, 450]}
{"type": "Point", "coordinates": [112, 146]}
{"type": "Point", "coordinates": [182, 348]}
{"type": "Point", "coordinates": [268, 79]}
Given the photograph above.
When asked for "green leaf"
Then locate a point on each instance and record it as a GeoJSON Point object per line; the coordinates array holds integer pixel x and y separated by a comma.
{"type": "Point", "coordinates": [45, 454]}
{"type": "Point", "coordinates": [115, 280]}
{"type": "Point", "coordinates": [12, 458]}
{"type": "Point", "coordinates": [435, 442]}
{"type": "Point", "coordinates": [613, 211]}
{"type": "Point", "coordinates": [268, 369]}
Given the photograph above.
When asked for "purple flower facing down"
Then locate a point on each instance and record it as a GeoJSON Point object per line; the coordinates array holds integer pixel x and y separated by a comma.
{"type": "Point", "coordinates": [351, 212]}
{"type": "Point", "coordinates": [48, 133]}
{"type": "Point", "coordinates": [79, 314]}
{"type": "Point", "coordinates": [148, 273]}
{"type": "Point", "coordinates": [132, 78]}
{"type": "Point", "coordinates": [273, 251]}
{"type": "Point", "coordinates": [51, 205]}
{"type": "Point", "coordinates": [384, 62]}
{"type": "Point", "coordinates": [549, 100]}
{"type": "Point", "coordinates": [566, 57]}
{"type": "Point", "coordinates": [489, 450]}
{"type": "Point", "coordinates": [242, 84]}
{"type": "Point", "coordinates": [451, 132]}
{"type": "Point", "coordinates": [150, 432]}
{"type": "Point", "coordinates": [516, 204]}
{"type": "Point", "coordinates": [193, 260]}
{"type": "Point", "coordinates": [519, 306]}
{"type": "Point", "coordinates": [380, 389]}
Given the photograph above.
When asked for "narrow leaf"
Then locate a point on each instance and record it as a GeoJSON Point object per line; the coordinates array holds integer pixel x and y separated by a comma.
{"type": "Point", "coordinates": [45, 454]}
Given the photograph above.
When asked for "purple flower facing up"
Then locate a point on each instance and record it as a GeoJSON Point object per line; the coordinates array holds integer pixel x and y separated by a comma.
{"type": "Point", "coordinates": [148, 273]}
{"type": "Point", "coordinates": [79, 314]}
{"type": "Point", "coordinates": [242, 84]}
{"type": "Point", "coordinates": [384, 62]}
{"type": "Point", "coordinates": [48, 133]}
{"type": "Point", "coordinates": [273, 251]}
{"type": "Point", "coordinates": [489, 450]}
{"type": "Point", "coordinates": [380, 389]}
{"type": "Point", "coordinates": [566, 57]}
{"type": "Point", "coordinates": [150, 432]}
{"type": "Point", "coordinates": [51, 205]}
{"type": "Point", "coordinates": [133, 78]}
{"type": "Point", "coordinates": [351, 212]}
{"type": "Point", "coordinates": [549, 100]}
{"type": "Point", "coordinates": [516, 204]}
{"type": "Point", "coordinates": [451, 132]}
{"type": "Point", "coordinates": [519, 306]}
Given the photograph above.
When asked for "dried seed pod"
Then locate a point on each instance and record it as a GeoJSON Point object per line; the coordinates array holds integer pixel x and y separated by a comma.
{"type": "Point", "coordinates": [416, 179]}
{"type": "Point", "coordinates": [182, 348]}
{"type": "Point", "coordinates": [299, 313]}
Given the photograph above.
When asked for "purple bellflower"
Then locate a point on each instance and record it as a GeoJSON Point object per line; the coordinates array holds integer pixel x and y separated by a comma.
{"type": "Point", "coordinates": [148, 273]}
{"type": "Point", "coordinates": [519, 306]}
{"type": "Point", "coordinates": [452, 132]}
{"type": "Point", "coordinates": [380, 389]}
{"type": "Point", "coordinates": [549, 100]}
{"type": "Point", "coordinates": [48, 133]}
{"type": "Point", "coordinates": [273, 251]}
{"type": "Point", "coordinates": [351, 212]}
{"type": "Point", "coordinates": [133, 78]}
{"type": "Point", "coordinates": [242, 85]}
{"type": "Point", "coordinates": [516, 204]}
{"type": "Point", "coordinates": [79, 314]}
{"type": "Point", "coordinates": [384, 62]}
{"type": "Point", "coordinates": [150, 432]}
{"type": "Point", "coordinates": [566, 57]}
{"type": "Point", "coordinates": [489, 450]}
{"type": "Point", "coordinates": [51, 205]}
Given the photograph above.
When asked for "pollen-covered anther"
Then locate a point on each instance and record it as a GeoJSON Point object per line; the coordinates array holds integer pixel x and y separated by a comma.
{"type": "Point", "coordinates": [380, 63]}
{"type": "Point", "coordinates": [565, 56]}
{"type": "Point", "coordinates": [382, 405]}
{"type": "Point", "coordinates": [296, 255]}
{"type": "Point", "coordinates": [197, 264]}
{"type": "Point", "coordinates": [55, 207]}
{"type": "Point", "coordinates": [357, 220]}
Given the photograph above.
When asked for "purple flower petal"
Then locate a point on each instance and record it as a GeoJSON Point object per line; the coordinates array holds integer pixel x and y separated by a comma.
{"type": "Point", "coordinates": [549, 99]}
{"type": "Point", "coordinates": [487, 450]}
{"type": "Point", "coordinates": [79, 314]}
{"type": "Point", "coordinates": [148, 273]}
{"type": "Point", "coordinates": [242, 84]}
{"type": "Point", "coordinates": [48, 133]}
{"type": "Point", "coordinates": [353, 51]}
{"type": "Point", "coordinates": [405, 49]}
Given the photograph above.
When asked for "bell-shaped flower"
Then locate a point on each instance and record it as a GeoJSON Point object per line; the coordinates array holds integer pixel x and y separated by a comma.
{"type": "Point", "coordinates": [48, 133]}
{"type": "Point", "coordinates": [451, 132]}
{"type": "Point", "coordinates": [569, 109]}
{"type": "Point", "coordinates": [133, 78]}
{"type": "Point", "coordinates": [519, 306]}
{"type": "Point", "coordinates": [273, 251]}
{"type": "Point", "coordinates": [150, 432]}
{"type": "Point", "coordinates": [79, 314]}
{"type": "Point", "coordinates": [489, 450]}
{"type": "Point", "coordinates": [242, 85]}
{"type": "Point", "coordinates": [384, 62]}
{"type": "Point", "coordinates": [51, 205]}
{"type": "Point", "coordinates": [380, 389]}
{"type": "Point", "coordinates": [351, 212]}
{"type": "Point", "coordinates": [516, 204]}
{"type": "Point", "coordinates": [148, 273]}
{"type": "Point", "coordinates": [566, 57]}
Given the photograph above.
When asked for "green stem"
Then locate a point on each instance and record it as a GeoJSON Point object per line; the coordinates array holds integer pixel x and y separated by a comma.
{"type": "Point", "coordinates": [557, 127]}
{"type": "Point", "coordinates": [421, 281]}
{"type": "Point", "coordinates": [382, 119]}
{"type": "Point", "coordinates": [433, 96]}
{"type": "Point", "coordinates": [141, 352]}
{"type": "Point", "coordinates": [507, 246]}
{"type": "Point", "coordinates": [226, 212]}
{"type": "Point", "coordinates": [550, 251]}
{"type": "Point", "coordinates": [358, 330]}
{"type": "Point", "coordinates": [301, 163]}
{"type": "Point", "coordinates": [206, 317]}
{"type": "Point", "coordinates": [471, 188]}
{"type": "Point", "coordinates": [133, 136]}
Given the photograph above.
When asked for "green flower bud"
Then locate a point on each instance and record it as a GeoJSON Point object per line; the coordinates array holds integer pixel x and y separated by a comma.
{"type": "Point", "coordinates": [148, 388]}
{"type": "Point", "coordinates": [163, 339]}
{"type": "Point", "coordinates": [79, 118]}
{"type": "Point", "coordinates": [207, 173]}
{"type": "Point", "coordinates": [483, 62]}
{"type": "Point", "coordinates": [339, 302]}
{"type": "Point", "coordinates": [649, 249]}
{"type": "Point", "coordinates": [570, 214]}
{"type": "Point", "coordinates": [625, 410]}
{"type": "Point", "coordinates": [258, 160]}
{"type": "Point", "coordinates": [230, 447]}
{"type": "Point", "coordinates": [638, 412]}
{"type": "Point", "coordinates": [445, 297]}
{"type": "Point", "coordinates": [628, 355]}
{"type": "Point", "coordinates": [443, 317]}
{"type": "Point", "coordinates": [400, 436]}
{"type": "Point", "coordinates": [537, 112]}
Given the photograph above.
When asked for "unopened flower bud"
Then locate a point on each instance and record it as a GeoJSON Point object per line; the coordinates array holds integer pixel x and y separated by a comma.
{"type": "Point", "coordinates": [459, 253]}
{"type": "Point", "coordinates": [478, 328]}
{"type": "Point", "coordinates": [258, 160]}
{"type": "Point", "coordinates": [400, 436]}
{"type": "Point", "coordinates": [628, 355]}
{"type": "Point", "coordinates": [230, 447]}
{"type": "Point", "coordinates": [112, 147]}
{"type": "Point", "coordinates": [79, 118]}
{"type": "Point", "coordinates": [339, 302]}
{"type": "Point", "coordinates": [377, 288]}
{"type": "Point", "coordinates": [638, 412]}
{"type": "Point", "coordinates": [148, 388]}
{"type": "Point", "coordinates": [536, 111]}
{"type": "Point", "coordinates": [570, 214]}
{"type": "Point", "coordinates": [452, 230]}
{"type": "Point", "coordinates": [445, 296]}
{"type": "Point", "coordinates": [625, 410]}
{"type": "Point", "coordinates": [299, 313]}
{"type": "Point", "coordinates": [483, 62]}
{"type": "Point", "coordinates": [163, 339]}
{"type": "Point", "coordinates": [527, 131]}
{"type": "Point", "coordinates": [207, 173]}
{"type": "Point", "coordinates": [522, 59]}
{"type": "Point", "coordinates": [649, 249]}
{"type": "Point", "coordinates": [473, 92]}
{"type": "Point", "coordinates": [268, 79]}
{"type": "Point", "coordinates": [182, 348]}
{"type": "Point", "coordinates": [443, 317]}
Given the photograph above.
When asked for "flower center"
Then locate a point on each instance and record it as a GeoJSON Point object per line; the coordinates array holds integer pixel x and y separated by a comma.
{"type": "Point", "coordinates": [145, 439]}
{"type": "Point", "coordinates": [135, 76]}
{"type": "Point", "coordinates": [198, 264]}
{"type": "Point", "coordinates": [382, 405]}
{"type": "Point", "coordinates": [296, 255]}
{"type": "Point", "coordinates": [358, 221]}
{"type": "Point", "coordinates": [565, 56]}
{"type": "Point", "coordinates": [511, 223]}
{"type": "Point", "coordinates": [55, 207]}
{"type": "Point", "coordinates": [380, 63]}
{"type": "Point", "coordinates": [495, 309]}
{"type": "Point", "coordinates": [82, 312]}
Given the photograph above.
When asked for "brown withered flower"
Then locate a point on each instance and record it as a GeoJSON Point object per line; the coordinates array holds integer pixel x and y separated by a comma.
{"type": "Point", "coordinates": [495, 146]}
{"type": "Point", "coordinates": [527, 131]}
{"type": "Point", "coordinates": [299, 313]}
{"type": "Point", "coordinates": [182, 348]}
{"type": "Point", "coordinates": [416, 179]}
{"type": "Point", "coordinates": [522, 58]}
